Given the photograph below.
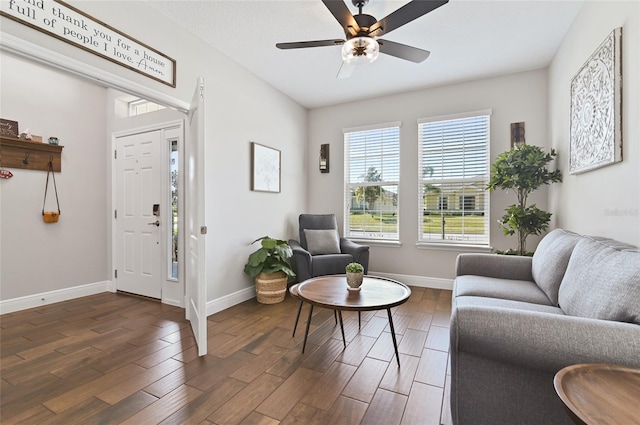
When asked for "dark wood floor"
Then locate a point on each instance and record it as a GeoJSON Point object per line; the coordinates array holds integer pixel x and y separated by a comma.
{"type": "Point", "coordinates": [118, 359]}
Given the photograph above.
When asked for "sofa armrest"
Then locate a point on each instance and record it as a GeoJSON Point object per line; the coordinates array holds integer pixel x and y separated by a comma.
{"type": "Point", "coordinates": [301, 260]}
{"type": "Point", "coordinates": [542, 341]}
{"type": "Point", "coordinates": [360, 253]}
{"type": "Point", "coordinates": [492, 265]}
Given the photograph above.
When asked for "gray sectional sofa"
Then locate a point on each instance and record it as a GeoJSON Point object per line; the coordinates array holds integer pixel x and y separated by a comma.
{"type": "Point", "coordinates": [516, 321]}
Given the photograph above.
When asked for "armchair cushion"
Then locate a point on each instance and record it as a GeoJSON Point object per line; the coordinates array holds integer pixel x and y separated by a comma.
{"type": "Point", "coordinates": [330, 264]}
{"type": "Point", "coordinates": [320, 242]}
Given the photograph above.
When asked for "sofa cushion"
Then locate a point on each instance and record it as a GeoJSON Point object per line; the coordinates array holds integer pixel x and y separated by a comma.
{"type": "Point", "coordinates": [551, 259]}
{"type": "Point", "coordinates": [325, 241]}
{"type": "Point", "coordinates": [466, 302]}
{"type": "Point", "coordinates": [602, 281]}
{"type": "Point", "coordinates": [507, 289]}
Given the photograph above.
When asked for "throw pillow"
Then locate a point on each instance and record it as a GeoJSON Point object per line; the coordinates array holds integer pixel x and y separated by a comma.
{"type": "Point", "coordinates": [551, 259]}
{"type": "Point", "coordinates": [602, 282]}
{"type": "Point", "coordinates": [325, 241]}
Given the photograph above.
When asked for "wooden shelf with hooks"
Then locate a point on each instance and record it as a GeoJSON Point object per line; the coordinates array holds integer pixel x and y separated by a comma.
{"type": "Point", "coordinates": [18, 153]}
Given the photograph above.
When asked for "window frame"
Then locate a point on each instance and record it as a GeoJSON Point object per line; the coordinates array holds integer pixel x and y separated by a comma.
{"type": "Point", "coordinates": [452, 205]}
{"type": "Point", "coordinates": [136, 104]}
{"type": "Point", "coordinates": [348, 185]}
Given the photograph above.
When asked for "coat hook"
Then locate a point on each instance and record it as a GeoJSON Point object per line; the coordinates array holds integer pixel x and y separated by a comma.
{"type": "Point", "coordinates": [26, 158]}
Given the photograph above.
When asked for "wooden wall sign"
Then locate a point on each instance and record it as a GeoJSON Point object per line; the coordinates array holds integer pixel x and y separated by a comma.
{"type": "Point", "coordinates": [66, 23]}
{"type": "Point", "coordinates": [8, 128]}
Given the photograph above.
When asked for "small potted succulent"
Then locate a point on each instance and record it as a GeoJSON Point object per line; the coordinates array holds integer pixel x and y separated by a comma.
{"type": "Point", "coordinates": [355, 274]}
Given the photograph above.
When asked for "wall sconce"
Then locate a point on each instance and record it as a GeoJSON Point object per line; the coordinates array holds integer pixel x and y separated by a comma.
{"type": "Point", "coordinates": [324, 158]}
{"type": "Point", "coordinates": [517, 134]}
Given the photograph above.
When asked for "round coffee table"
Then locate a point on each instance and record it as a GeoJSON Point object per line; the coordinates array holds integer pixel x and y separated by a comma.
{"type": "Point", "coordinates": [376, 293]}
{"type": "Point", "coordinates": [597, 393]}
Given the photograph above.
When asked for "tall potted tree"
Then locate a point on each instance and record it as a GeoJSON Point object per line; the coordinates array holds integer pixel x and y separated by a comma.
{"type": "Point", "coordinates": [523, 170]}
{"type": "Point", "coordinates": [270, 268]}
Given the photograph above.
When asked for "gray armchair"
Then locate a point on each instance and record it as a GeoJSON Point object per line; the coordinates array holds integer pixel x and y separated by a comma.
{"type": "Point", "coordinates": [321, 251]}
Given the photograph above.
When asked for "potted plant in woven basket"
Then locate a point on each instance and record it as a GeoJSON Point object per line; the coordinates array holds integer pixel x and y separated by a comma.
{"type": "Point", "coordinates": [270, 268]}
{"type": "Point", "coordinates": [355, 274]}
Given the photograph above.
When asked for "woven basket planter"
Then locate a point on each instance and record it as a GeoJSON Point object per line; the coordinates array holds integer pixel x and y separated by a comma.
{"type": "Point", "coordinates": [271, 288]}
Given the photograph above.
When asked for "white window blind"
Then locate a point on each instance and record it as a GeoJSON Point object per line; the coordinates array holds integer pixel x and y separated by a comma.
{"type": "Point", "coordinates": [453, 168]}
{"type": "Point", "coordinates": [372, 175]}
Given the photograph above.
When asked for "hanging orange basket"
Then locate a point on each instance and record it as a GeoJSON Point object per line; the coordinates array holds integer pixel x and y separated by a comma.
{"type": "Point", "coordinates": [50, 216]}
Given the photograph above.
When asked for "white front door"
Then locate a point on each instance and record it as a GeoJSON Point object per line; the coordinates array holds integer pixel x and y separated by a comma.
{"type": "Point", "coordinates": [196, 311]}
{"type": "Point", "coordinates": [138, 229]}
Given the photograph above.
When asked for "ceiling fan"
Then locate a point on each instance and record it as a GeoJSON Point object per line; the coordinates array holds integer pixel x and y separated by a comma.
{"type": "Point", "coordinates": [362, 44]}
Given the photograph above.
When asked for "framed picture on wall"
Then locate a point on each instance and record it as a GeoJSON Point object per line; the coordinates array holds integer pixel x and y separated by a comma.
{"type": "Point", "coordinates": [265, 168]}
{"type": "Point", "coordinates": [596, 104]}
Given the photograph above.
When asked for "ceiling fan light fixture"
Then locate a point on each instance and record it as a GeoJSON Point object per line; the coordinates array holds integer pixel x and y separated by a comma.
{"type": "Point", "coordinates": [358, 50]}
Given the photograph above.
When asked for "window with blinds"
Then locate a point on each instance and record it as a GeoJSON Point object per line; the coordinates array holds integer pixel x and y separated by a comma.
{"type": "Point", "coordinates": [453, 170]}
{"type": "Point", "coordinates": [372, 175]}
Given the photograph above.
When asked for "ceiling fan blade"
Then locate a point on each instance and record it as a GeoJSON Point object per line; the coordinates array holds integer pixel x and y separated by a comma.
{"type": "Point", "coordinates": [403, 51]}
{"type": "Point", "coordinates": [404, 15]}
{"type": "Point", "coordinates": [345, 71]}
{"type": "Point", "coordinates": [304, 44]}
{"type": "Point", "coordinates": [341, 12]}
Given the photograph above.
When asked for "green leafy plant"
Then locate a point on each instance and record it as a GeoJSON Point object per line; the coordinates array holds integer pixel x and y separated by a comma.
{"type": "Point", "coordinates": [370, 194]}
{"type": "Point", "coordinates": [354, 268]}
{"type": "Point", "coordinates": [271, 257]}
{"type": "Point", "coordinates": [523, 170]}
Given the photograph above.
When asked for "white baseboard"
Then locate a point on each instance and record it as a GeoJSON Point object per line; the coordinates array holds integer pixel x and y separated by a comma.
{"type": "Point", "coordinates": [230, 300]}
{"type": "Point", "coordinates": [214, 306]}
{"type": "Point", "coordinates": [419, 281]}
{"type": "Point", "coordinates": [175, 303]}
{"type": "Point", "coordinates": [44, 298]}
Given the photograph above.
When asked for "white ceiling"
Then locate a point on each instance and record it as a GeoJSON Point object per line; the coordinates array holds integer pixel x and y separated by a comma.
{"type": "Point", "coordinates": [468, 39]}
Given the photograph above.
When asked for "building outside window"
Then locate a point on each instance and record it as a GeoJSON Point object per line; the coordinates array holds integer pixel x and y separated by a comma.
{"type": "Point", "coordinates": [453, 165]}
{"type": "Point", "coordinates": [443, 203]}
{"type": "Point", "coordinates": [372, 176]}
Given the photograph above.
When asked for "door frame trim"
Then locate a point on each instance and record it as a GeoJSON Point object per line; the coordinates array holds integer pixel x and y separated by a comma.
{"type": "Point", "coordinates": [180, 302]}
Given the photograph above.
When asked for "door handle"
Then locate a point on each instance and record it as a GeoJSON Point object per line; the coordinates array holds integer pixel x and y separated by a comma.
{"type": "Point", "coordinates": [155, 223]}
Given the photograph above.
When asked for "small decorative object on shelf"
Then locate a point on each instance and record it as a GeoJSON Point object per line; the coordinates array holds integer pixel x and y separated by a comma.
{"type": "Point", "coordinates": [8, 128]}
{"type": "Point", "coordinates": [355, 275]}
{"type": "Point", "coordinates": [53, 141]}
{"type": "Point", "coordinates": [25, 135]}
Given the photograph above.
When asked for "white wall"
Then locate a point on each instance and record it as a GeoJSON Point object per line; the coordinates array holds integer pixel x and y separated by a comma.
{"type": "Point", "coordinates": [38, 257]}
{"type": "Point", "coordinates": [512, 98]}
{"type": "Point", "coordinates": [605, 201]}
{"type": "Point", "coordinates": [241, 108]}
